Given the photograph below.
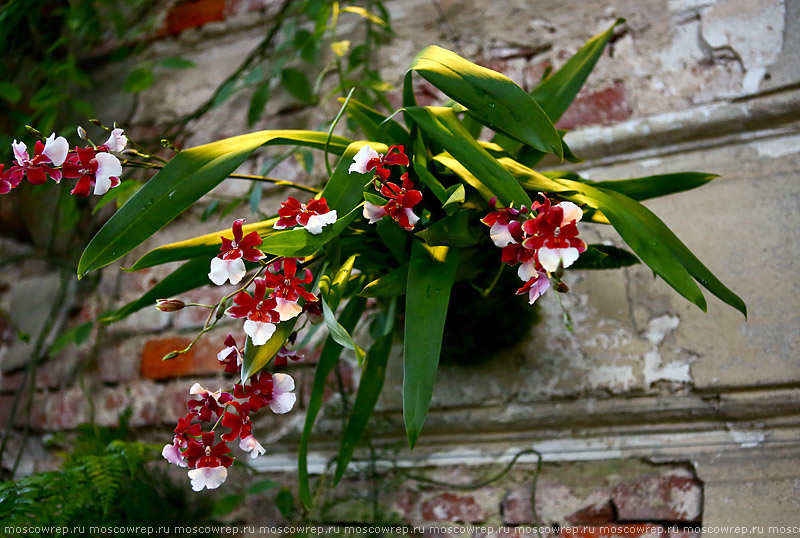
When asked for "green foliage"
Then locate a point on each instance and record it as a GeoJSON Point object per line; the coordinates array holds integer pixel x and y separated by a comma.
{"type": "Point", "coordinates": [103, 480]}
{"type": "Point", "coordinates": [42, 78]}
{"type": "Point", "coordinates": [457, 173]}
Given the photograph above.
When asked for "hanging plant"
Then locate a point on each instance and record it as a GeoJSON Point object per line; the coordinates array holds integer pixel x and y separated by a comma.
{"type": "Point", "coordinates": [424, 205]}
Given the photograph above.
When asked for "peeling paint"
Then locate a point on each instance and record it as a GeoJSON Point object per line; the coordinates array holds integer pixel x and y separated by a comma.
{"type": "Point", "coordinates": [779, 147]}
{"type": "Point", "coordinates": [747, 438]}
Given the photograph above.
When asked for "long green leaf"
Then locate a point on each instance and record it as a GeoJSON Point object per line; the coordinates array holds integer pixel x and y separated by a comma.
{"type": "Point", "coordinates": [339, 333]}
{"type": "Point", "coordinates": [644, 188]}
{"type": "Point", "coordinates": [184, 180]}
{"type": "Point", "coordinates": [604, 257]}
{"type": "Point", "coordinates": [391, 284]}
{"type": "Point", "coordinates": [373, 123]}
{"type": "Point", "coordinates": [493, 99]}
{"type": "Point", "coordinates": [204, 246]}
{"type": "Point", "coordinates": [431, 273]}
{"type": "Point", "coordinates": [333, 284]}
{"type": "Point", "coordinates": [369, 389]}
{"type": "Point", "coordinates": [192, 274]}
{"type": "Point", "coordinates": [327, 362]}
{"type": "Point", "coordinates": [443, 126]}
{"type": "Point", "coordinates": [557, 92]}
{"type": "Point", "coordinates": [619, 208]}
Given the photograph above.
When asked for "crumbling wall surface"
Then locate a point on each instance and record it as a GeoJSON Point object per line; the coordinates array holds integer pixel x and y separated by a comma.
{"type": "Point", "coordinates": [648, 410]}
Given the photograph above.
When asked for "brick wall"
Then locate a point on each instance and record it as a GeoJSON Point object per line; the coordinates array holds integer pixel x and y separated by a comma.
{"type": "Point", "coordinates": [649, 412]}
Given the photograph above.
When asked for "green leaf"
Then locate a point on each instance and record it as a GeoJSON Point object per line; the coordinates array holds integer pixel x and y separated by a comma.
{"type": "Point", "coordinates": [391, 284]}
{"type": "Point", "coordinates": [224, 91]}
{"type": "Point", "coordinates": [327, 362]}
{"type": "Point", "coordinates": [258, 102]}
{"type": "Point", "coordinates": [10, 92]}
{"type": "Point", "coordinates": [394, 237]}
{"type": "Point", "coordinates": [298, 85]}
{"type": "Point", "coordinates": [369, 389]}
{"type": "Point", "coordinates": [430, 181]}
{"type": "Point", "coordinates": [184, 180]}
{"type": "Point", "coordinates": [645, 233]}
{"type": "Point", "coordinates": [76, 335]}
{"type": "Point", "coordinates": [255, 358]}
{"type": "Point", "coordinates": [203, 246]}
{"type": "Point", "coordinates": [339, 333]}
{"type": "Point", "coordinates": [644, 188]}
{"type": "Point", "coordinates": [493, 99]}
{"type": "Point", "coordinates": [457, 230]}
{"type": "Point", "coordinates": [191, 275]}
{"type": "Point", "coordinates": [431, 274]}
{"type": "Point", "coordinates": [332, 286]}
{"type": "Point", "coordinates": [371, 122]}
{"type": "Point", "coordinates": [285, 502]}
{"type": "Point", "coordinates": [443, 126]}
{"type": "Point", "coordinates": [139, 80]}
{"type": "Point", "coordinates": [176, 63]}
{"type": "Point", "coordinates": [261, 486]}
{"type": "Point", "coordinates": [120, 194]}
{"type": "Point", "coordinates": [556, 93]}
{"type": "Point", "coordinates": [299, 242]}
{"type": "Point", "coordinates": [456, 197]}
{"type": "Point", "coordinates": [604, 257]}
{"type": "Point", "coordinates": [226, 505]}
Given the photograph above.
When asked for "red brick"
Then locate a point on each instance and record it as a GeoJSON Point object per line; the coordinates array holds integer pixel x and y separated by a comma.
{"type": "Point", "coordinates": [674, 495]}
{"type": "Point", "coordinates": [602, 107]}
{"type": "Point", "coordinates": [201, 359]}
{"type": "Point", "coordinates": [614, 530]}
{"type": "Point", "coordinates": [451, 507]}
{"type": "Point", "coordinates": [193, 14]}
{"type": "Point", "coordinates": [406, 503]}
{"type": "Point", "coordinates": [596, 514]}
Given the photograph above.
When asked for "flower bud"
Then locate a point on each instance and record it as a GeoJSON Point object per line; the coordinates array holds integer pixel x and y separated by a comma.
{"type": "Point", "coordinates": [82, 134]}
{"type": "Point", "coordinates": [560, 287]}
{"type": "Point", "coordinates": [169, 305]}
{"type": "Point", "coordinates": [172, 355]}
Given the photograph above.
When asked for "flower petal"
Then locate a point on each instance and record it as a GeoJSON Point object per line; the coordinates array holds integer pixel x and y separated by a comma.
{"type": "Point", "coordinates": [117, 141]}
{"type": "Point", "coordinates": [208, 477]}
{"type": "Point", "coordinates": [258, 331]}
{"type": "Point", "coordinates": [283, 403]}
{"type": "Point", "coordinates": [571, 212]}
{"type": "Point", "coordinates": [20, 152]}
{"type": "Point", "coordinates": [282, 383]}
{"type": "Point", "coordinates": [361, 159]}
{"type": "Point", "coordinates": [108, 166]}
{"type": "Point", "coordinates": [374, 212]}
{"type": "Point", "coordinates": [501, 235]}
{"type": "Point", "coordinates": [250, 444]}
{"type": "Point", "coordinates": [549, 258]}
{"type": "Point", "coordinates": [287, 309]}
{"type": "Point", "coordinates": [56, 149]}
{"type": "Point", "coordinates": [173, 455]}
{"type": "Point", "coordinates": [317, 222]}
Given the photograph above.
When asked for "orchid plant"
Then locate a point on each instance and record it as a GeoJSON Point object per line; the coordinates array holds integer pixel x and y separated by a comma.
{"type": "Point", "coordinates": [420, 205]}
